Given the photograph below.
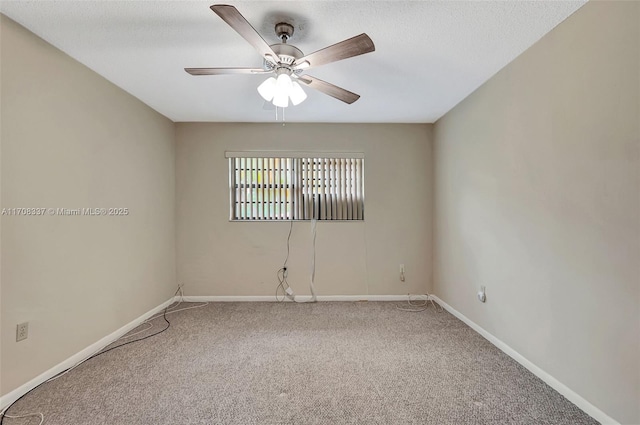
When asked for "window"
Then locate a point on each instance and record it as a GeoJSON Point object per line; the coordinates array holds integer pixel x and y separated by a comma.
{"type": "Point", "coordinates": [283, 187]}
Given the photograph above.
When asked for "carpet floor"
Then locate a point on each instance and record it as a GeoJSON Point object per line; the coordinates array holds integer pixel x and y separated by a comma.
{"type": "Point", "coordinates": [324, 363]}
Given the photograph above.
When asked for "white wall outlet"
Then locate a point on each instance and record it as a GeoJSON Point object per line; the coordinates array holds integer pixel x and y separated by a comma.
{"type": "Point", "coordinates": [482, 296]}
{"type": "Point", "coordinates": [22, 331]}
{"type": "Point", "coordinates": [401, 272]}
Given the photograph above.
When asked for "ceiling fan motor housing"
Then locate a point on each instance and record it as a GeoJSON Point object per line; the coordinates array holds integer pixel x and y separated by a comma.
{"type": "Point", "coordinates": [287, 54]}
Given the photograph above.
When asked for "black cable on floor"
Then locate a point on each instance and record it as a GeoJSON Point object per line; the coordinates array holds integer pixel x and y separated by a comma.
{"type": "Point", "coordinates": [282, 281]}
{"type": "Point", "coordinates": [288, 243]}
{"type": "Point", "coordinates": [164, 316]}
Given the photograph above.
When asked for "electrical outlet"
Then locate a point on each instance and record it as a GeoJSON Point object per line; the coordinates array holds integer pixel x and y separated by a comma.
{"type": "Point", "coordinates": [22, 331]}
{"type": "Point", "coordinates": [401, 272]}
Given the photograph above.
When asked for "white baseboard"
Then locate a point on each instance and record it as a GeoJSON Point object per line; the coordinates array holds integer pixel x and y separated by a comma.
{"type": "Point", "coordinates": [567, 392]}
{"type": "Point", "coordinates": [12, 396]}
{"type": "Point", "coordinates": [571, 395]}
{"type": "Point", "coordinates": [301, 298]}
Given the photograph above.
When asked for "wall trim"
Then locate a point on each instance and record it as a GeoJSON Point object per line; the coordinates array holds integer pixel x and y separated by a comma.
{"type": "Point", "coordinates": [14, 395]}
{"type": "Point", "coordinates": [302, 298]}
{"type": "Point", "coordinates": [567, 392]}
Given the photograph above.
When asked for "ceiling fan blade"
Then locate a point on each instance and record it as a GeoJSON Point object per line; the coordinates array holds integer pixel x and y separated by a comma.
{"type": "Point", "coordinates": [328, 88]}
{"type": "Point", "coordinates": [235, 20]}
{"type": "Point", "coordinates": [358, 45]}
{"type": "Point", "coordinates": [224, 71]}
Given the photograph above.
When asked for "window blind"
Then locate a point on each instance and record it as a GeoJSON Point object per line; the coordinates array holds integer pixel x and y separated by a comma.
{"type": "Point", "coordinates": [298, 188]}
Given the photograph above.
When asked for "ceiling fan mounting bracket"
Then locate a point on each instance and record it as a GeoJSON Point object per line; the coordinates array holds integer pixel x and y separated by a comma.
{"type": "Point", "coordinates": [284, 31]}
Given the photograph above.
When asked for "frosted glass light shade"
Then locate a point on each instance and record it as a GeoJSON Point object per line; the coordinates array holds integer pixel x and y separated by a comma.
{"type": "Point", "coordinates": [281, 99]}
{"type": "Point", "coordinates": [297, 94]}
{"type": "Point", "coordinates": [267, 89]}
{"type": "Point", "coordinates": [283, 83]}
{"type": "Point", "coordinates": [283, 87]}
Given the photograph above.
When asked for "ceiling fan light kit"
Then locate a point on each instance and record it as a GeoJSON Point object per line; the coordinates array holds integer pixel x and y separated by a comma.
{"type": "Point", "coordinates": [279, 91]}
{"type": "Point", "coordinates": [296, 94]}
{"type": "Point", "coordinates": [287, 62]}
{"type": "Point", "coordinates": [268, 89]}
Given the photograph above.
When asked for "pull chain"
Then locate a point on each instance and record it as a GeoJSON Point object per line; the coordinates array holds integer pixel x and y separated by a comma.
{"type": "Point", "coordinates": [283, 122]}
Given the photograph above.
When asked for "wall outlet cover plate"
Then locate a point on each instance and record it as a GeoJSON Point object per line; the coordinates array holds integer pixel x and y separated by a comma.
{"type": "Point", "coordinates": [22, 331]}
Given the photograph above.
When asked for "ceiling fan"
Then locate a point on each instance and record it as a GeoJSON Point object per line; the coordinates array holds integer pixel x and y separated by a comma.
{"type": "Point", "coordinates": [287, 62]}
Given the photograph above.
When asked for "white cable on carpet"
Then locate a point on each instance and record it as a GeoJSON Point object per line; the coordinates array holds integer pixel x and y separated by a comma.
{"type": "Point", "coordinates": [175, 311]}
{"type": "Point", "coordinates": [422, 305]}
{"type": "Point", "coordinates": [24, 416]}
{"type": "Point", "coordinates": [282, 274]}
{"type": "Point", "coordinates": [312, 274]}
{"type": "Point", "coordinates": [313, 261]}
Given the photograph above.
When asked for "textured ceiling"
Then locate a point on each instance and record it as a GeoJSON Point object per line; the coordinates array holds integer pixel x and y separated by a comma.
{"type": "Point", "coordinates": [429, 54]}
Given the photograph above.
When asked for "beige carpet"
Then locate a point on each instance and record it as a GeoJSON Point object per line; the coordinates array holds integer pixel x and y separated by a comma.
{"type": "Point", "coordinates": [325, 363]}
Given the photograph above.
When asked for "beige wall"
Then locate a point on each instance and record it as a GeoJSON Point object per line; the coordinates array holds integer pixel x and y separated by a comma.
{"type": "Point", "coordinates": [537, 195]}
{"type": "Point", "coordinates": [71, 139]}
{"type": "Point", "coordinates": [218, 257]}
